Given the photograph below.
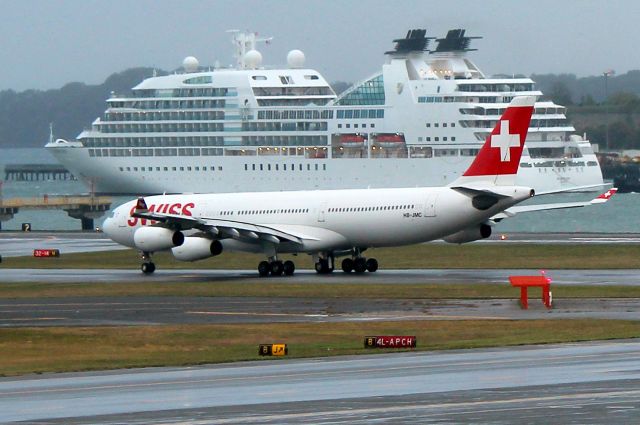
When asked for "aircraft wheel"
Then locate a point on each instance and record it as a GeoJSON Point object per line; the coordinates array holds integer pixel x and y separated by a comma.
{"type": "Point", "coordinates": [322, 267]}
{"type": "Point", "coordinates": [148, 268]}
{"type": "Point", "coordinates": [360, 265]}
{"type": "Point", "coordinates": [264, 268]}
{"type": "Point", "coordinates": [277, 268]}
{"type": "Point", "coordinates": [347, 265]}
{"type": "Point", "coordinates": [289, 268]}
{"type": "Point", "coordinates": [372, 265]}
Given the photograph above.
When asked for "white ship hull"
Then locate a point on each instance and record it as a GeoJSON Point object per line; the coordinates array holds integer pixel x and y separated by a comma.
{"type": "Point", "coordinates": [237, 174]}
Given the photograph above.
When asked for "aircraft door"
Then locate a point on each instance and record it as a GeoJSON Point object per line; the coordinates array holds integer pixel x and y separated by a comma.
{"type": "Point", "coordinates": [321, 212]}
{"type": "Point", "coordinates": [430, 205]}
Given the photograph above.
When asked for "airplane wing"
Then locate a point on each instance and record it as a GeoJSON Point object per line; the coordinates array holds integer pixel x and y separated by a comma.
{"type": "Point", "coordinates": [510, 212]}
{"type": "Point", "coordinates": [223, 228]}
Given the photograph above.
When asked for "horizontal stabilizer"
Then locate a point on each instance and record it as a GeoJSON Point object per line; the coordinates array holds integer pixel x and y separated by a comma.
{"type": "Point", "coordinates": [510, 212]}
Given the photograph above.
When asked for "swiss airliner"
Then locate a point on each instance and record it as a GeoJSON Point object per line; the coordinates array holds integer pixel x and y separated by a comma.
{"type": "Point", "coordinates": [332, 223]}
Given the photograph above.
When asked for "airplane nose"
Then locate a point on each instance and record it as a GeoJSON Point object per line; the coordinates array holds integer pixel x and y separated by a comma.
{"type": "Point", "coordinates": [108, 226]}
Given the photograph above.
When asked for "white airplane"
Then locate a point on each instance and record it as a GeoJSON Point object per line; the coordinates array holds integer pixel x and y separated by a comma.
{"type": "Point", "coordinates": [332, 223]}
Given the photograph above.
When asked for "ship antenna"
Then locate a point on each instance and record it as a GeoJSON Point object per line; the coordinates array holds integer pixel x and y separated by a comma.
{"type": "Point", "coordinates": [244, 42]}
{"type": "Point", "coordinates": [50, 132]}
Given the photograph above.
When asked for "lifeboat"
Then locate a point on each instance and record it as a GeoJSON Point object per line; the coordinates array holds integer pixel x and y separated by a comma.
{"type": "Point", "coordinates": [390, 140]}
{"type": "Point", "coordinates": [355, 140]}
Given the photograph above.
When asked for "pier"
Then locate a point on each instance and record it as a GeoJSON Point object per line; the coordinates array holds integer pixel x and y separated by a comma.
{"type": "Point", "coordinates": [35, 172]}
{"type": "Point", "coordinates": [85, 208]}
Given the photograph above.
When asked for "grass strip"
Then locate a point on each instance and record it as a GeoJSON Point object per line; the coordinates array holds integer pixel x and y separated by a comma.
{"type": "Point", "coordinates": [434, 255]}
{"type": "Point", "coordinates": [268, 289]}
{"type": "Point", "coordinates": [37, 350]}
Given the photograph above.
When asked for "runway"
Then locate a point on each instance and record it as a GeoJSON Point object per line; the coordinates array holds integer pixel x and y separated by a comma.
{"type": "Point", "coordinates": [568, 383]}
{"type": "Point", "coordinates": [16, 244]}
{"type": "Point", "coordinates": [627, 277]}
{"type": "Point", "coordinates": [171, 310]}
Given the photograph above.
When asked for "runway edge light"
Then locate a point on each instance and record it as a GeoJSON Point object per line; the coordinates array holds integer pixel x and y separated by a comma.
{"type": "Point", "coordinates": [390, 341]}
{"type": "Point", "coordinates": [273, 350]}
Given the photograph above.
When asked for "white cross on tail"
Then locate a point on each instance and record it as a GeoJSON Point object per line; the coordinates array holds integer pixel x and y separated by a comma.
{"type": "Point", "coordinates": [504, 141]}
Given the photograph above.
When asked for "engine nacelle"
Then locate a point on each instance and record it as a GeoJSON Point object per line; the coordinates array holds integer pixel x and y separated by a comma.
{"type": "Point", "coordinates": [195, 248]}
{"type": "Point", "coordinates": [153, 239]}
{"type": "Point", "coordinates": [470, 234]}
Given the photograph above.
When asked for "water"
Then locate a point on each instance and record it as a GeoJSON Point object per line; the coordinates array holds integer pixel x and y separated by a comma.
{"type": "Point", "coordinates": [620, 215]}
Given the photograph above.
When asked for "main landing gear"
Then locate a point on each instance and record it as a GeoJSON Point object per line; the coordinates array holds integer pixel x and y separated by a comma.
{"type": "Point", "coordinates": [276, 268]}
{"type": "Point", "coordinates": [147, 265]}
{"type": "Point", "coordinates": [359, 265]}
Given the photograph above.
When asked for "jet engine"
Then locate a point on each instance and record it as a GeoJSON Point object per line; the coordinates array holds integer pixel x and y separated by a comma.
{"type": "Point", "coordinates": [470, 234]}
{"type": "Point", "coordinates": [153, 239]}
{"type": "Point", "coordinates": [195, 248]}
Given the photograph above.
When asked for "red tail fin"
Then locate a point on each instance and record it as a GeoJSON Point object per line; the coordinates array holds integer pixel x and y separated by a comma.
{"type": "Point", "coordinates": [501, 152]}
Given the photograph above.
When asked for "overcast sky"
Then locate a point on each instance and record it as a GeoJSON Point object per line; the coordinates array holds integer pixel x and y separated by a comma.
{"type": "Point", "coordinates": [48, 43]}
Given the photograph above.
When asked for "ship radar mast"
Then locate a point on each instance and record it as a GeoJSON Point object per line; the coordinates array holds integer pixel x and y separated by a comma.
{"type": "Point", "coordinates": [244, 42]}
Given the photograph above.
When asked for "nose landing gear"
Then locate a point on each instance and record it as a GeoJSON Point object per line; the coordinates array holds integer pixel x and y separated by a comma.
{"type": "Point", "coordinates": [147, 266]}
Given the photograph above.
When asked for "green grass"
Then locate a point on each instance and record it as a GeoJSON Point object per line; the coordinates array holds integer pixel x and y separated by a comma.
{"type": "Point", "coordinates": [435, 255]}
{"type": "Point", "coordinates": [35, 350]}
{"type": "Point", "coordinates": [264, 288]}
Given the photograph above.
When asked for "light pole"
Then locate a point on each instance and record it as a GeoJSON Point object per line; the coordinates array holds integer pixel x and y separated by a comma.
{"type": "Point", "coordinates": [606, 75]}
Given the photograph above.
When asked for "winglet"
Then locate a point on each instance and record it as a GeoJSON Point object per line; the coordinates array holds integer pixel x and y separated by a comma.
{"type": "Point", "coordinates": [604, 197]}
{"type": "Point", "coordinates": [141, 206]}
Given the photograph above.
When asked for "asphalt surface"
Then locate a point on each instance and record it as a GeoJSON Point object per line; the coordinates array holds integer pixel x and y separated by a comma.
{"type": "Point", "coordinates": [628, 277]}
{"type": "Point", "coordinates": [129, 311]}
{"type": "Point", "coordinates": [14, 244]}
{"type": "Point", "coordinates": [570, 383]}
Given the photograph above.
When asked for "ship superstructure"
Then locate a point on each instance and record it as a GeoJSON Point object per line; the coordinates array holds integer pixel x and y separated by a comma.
{"type": "Point", "coordinates": [418, 122]}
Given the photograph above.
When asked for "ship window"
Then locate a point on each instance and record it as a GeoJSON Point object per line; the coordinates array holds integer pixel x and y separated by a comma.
{"type": "Point", "coordinates": [181, 168]}
{"type": "Point", "coordinates": [324, 166]}
{"type": "Point", "coordinates": [246, 167]}
{"type": "Point", "coordinates": [428, 139]}
{"type": "Point", "coordinates": [311, 77]}
{"type": "Point", "coordinates": [259, 77]}
{"type": "Point", "coordinates": [436, 124]}
{"type": "Point", "coordinates": [261, 169]}
{"type": "Point", "coordinates": [253, 167]}
{"type": "Point", "coordinates": [355, 126]}
{"type": "Point", "coordinates": [269, 167]}
{"type": "Point", "coordinates": [348, 125]}
{"type": "Point", "coordinates": [157, 168]}
{"type": "Point", "coordinates": [121, 169]}
{"type": "Point", "coordinates": [339, 125]}
{"type": "Point", "coordinates": [372, 125]}
{"type": "Point", "coordinates": [173, 168]}
{"type": "Point", "coordinates": [428, 124]}
{"type": "Point", "coordinates": [166, 168]}
{"type": "Point", "coordinates": [453, 139]}
{"type": "Point", "coordinates": [364, 125]}
{"type": "Point", "coordinates": [453, 124]}
{"type": "Point", "coordinates": [444, 124]}
{"type": "Point", "coordinates": [220, 168]}
{"type": "Point", "coordinates": [444, 139]}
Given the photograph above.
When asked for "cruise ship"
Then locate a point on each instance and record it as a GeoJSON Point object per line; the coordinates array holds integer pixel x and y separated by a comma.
{"type": "Point", "coordinates": [417, 122]}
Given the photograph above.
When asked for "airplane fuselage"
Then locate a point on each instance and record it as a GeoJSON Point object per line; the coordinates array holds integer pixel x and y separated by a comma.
{"type": "Point", "coordinates": [326, 220]}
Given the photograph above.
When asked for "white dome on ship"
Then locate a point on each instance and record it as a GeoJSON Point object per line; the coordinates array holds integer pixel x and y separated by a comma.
{"type": "Point", "coordinates": [253, 59]}
{"type": "Point", "coordinates": [190, 64]}
{"type": "Point", "coordinates": [295, 59]}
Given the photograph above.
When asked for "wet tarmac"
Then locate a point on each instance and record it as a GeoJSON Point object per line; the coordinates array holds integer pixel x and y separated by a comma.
{"type": "Point", "coordinates": [568, 383]}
